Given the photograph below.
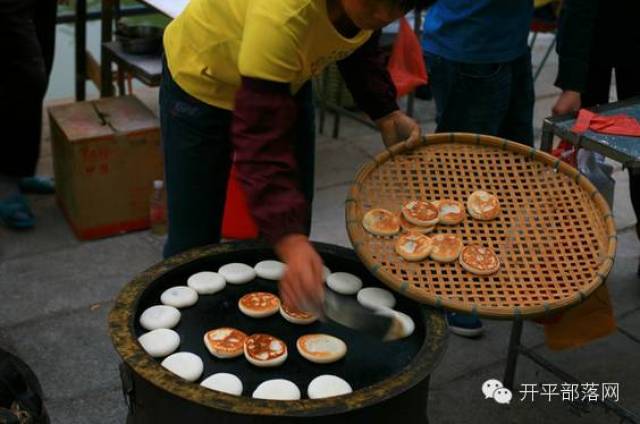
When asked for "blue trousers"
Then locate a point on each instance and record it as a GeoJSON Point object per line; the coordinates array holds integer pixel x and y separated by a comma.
{"type": "Point", "coordinates": [198, 155]}
{"type": "Point", "coordinates": [494, 99]}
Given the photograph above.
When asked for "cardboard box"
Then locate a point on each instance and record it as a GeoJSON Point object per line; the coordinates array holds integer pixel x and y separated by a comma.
{"type": "Point", "coordinates": [106, 155]}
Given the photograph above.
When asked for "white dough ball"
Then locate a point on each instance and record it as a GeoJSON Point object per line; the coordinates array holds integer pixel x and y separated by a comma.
{"type": "Point", "coordinates": [207, 282]}
{"type": "Point", "coordinates": [186, 365]}
{"type": "Point", "coordinates": [237, 273]}
{"type": "Point", "coordinates": [223, 382]}
{"type": "Point", "coordinates": [376, 298]}
{"type": "Point", "coordinates": [344, 283]}
{"type": "Point", "coordinates": [159, 316]}
{"type": "Point", "coordinates": [179, 297]}
{"type": "Point", "coordinates": [160, 343]}
{"type": "Point", "coordinates": [277, 389]}
{"type": "Point", "coordinates": [270, 270]}
{"type": "Point", "coordinates": [327, 385]}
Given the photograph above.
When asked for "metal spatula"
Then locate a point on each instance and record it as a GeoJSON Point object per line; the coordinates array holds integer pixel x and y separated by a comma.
{"type": "Point", "coordinates": [345, 311]}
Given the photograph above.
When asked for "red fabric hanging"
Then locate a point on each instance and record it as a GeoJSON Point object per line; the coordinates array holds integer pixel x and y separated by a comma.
{"type": "Point", "coordinates": [406, 64]}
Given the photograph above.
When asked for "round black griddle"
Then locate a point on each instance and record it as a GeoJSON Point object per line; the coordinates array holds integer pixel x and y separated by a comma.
{"type": "Point", "coordinates": [387, 378]}
{"type": "Point", "coordinates": [367, 361]}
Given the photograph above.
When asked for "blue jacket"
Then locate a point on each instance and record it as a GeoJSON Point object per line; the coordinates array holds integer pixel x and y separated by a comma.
{"type": "Point", "coordinates": [478, 31]}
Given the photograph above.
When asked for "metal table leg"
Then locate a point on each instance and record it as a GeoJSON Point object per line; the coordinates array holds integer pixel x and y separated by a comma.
{"type": "Point", "coordinates": [546, 139]}
{"type": "Point", "coordinates": [81, 49]}
{"type": "Point", "coordinates": [106, 89]}
{"type": "Point", "coordinates": [512, 355]}
{"type": "Point", "coordinates": [120, 82]}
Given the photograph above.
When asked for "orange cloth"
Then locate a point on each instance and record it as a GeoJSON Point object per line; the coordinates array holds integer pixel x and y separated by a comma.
{"type": "Point", "coordinates": [588, 321]}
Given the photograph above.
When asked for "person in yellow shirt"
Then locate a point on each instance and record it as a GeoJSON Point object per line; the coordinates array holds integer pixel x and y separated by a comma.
{"type": "Point", "coordinates": [235, 88]}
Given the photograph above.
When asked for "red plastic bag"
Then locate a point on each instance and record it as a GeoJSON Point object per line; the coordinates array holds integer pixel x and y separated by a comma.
{"type": "Point", "coordinates": [566, 152]}
{"type": "Point", "coordinates": [237, 222]}
{"type": "Point", "coordinates": [406, 64]}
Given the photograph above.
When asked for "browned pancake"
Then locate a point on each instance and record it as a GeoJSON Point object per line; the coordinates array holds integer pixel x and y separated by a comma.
{"type": "Point", "coordinates": [265, 350]}
{"type": "Point", "coordinates": [420, 213]}
{"type": "Point", "coordinates": [413, 246]}
{"type": "Point", "coordinates": [381, 222]}
{"type": "Point", "coordinates": [296, 316]}
{"type": "Point", "coordinates": [407, 226]}
{"type": "Point", "coordinates": [483, 205]}
{"type": "Point", "coordinates": [451, 211]}
{"type": "Point", "coordinates": [446, 247]}
{"type": "Point", "coordinates": [259, 304]}
{"type": "Point", "coordinates": [479, 260]}
{"type": "Point", "coordinates": [225, 342]}
{"type": "Point", "coordinates": [321, 348]}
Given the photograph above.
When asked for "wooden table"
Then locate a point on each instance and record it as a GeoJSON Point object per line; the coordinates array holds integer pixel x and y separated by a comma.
{"type": "Point", "coordinates": [146, 68]}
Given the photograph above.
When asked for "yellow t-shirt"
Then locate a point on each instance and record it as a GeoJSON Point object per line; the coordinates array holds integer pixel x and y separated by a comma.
{"type": "Point", "coordinates": [215, 42]}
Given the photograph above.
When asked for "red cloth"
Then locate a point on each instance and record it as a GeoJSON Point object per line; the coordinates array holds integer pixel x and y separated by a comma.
{"type": "Point", "coordinates": [614, 124]}
{"type": "Point", "coordinates": [406, 64]}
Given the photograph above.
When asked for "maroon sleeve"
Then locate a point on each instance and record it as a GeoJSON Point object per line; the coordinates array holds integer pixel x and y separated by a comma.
{"type": "Point", "coordinates": [263, 135]}
{"type": "Point", "coordinates": [365, 73]}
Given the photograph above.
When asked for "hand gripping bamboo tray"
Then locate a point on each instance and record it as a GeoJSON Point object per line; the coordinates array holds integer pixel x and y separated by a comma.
{"type": "Point", "coordinates": [555, 235]}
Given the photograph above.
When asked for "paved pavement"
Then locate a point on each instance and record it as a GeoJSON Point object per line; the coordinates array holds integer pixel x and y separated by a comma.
{"type": "Point", "coordinates": [57, 292]}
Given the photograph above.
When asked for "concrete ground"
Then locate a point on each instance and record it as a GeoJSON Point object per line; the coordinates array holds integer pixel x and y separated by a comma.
{"type": "Point", "coordinates": [57, 292]}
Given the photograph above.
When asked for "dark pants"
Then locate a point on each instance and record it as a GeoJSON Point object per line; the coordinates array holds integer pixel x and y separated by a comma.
{"type": "Point", "coordinates": [494, 99]}
{"type": "Point", "coordinates": [27, 38]}
{"type": "Point", "coordinates": [198, 153]}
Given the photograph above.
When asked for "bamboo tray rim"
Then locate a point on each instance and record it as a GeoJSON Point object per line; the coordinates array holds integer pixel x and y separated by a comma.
{"type": "Point", "coordinates": [353, 222]}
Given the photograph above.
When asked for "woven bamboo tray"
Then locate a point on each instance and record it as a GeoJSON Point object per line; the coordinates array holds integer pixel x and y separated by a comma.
{"type": "Point", "coordinates": [555, 235]}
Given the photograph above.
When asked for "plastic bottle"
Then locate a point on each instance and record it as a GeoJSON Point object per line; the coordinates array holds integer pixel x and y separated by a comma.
{"type": "Point", "coordinates": [158, 209]}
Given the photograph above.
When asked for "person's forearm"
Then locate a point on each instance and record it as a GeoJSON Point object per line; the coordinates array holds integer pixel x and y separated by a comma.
{"type": "Point", "coordinates": [365, 74]}
{"type": "Point", "coordinates": [263, 133]}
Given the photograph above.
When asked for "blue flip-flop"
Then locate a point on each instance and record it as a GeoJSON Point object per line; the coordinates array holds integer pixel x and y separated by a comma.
{"type": "Point", "coordinates": [15, 212]}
